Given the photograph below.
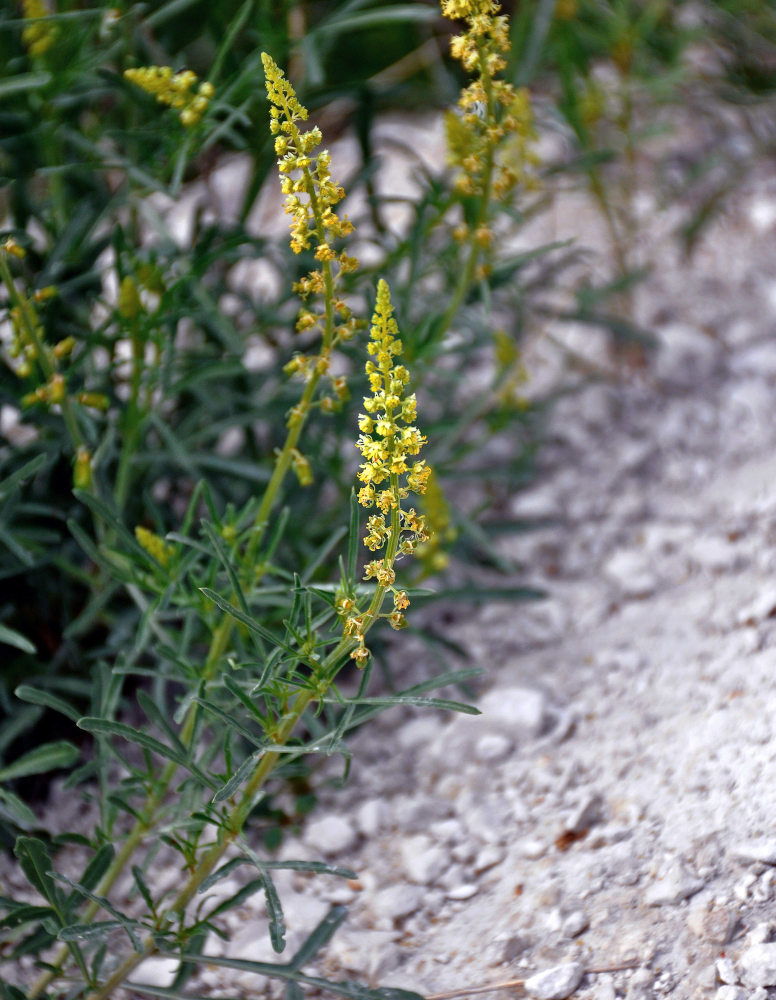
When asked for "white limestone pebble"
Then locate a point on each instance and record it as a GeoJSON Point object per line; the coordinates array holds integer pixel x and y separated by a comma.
{"type": "Point", "coordinates": [574, 923]}
{"type": "Point", "coordinates": [330, 835]}
{"type": "Point", "coordinates": [730, 993]}
{"type": "Point", "coordinates": [555, 983]}
{"type": "Point", "coordinates": [490, 856]}
{"type": "Point", "coordinates": [726, 971]}
{"type": "Point", "coordinates": [396, 901]}
{"type": "Point", "coordinates": [422, 859]}
{"type": "Point", "coordinates": [158, 972]}
{"type": "Point", "coordinates": [515, 710]}
{"type": "Point", "coordinates": [464, 891]}
{"type": "Point", "coordinates": [760, 849]}
{"type": "Point", "coordinates": [492, 747]}
{"type": "Point", "coordinates": [672, 886]}
{"type": "Point", "coordinates": [632, 572]}
{"type": "Point", "coordinates": [758, 965]}
{"type": "Point", "coordinates": [372, 816]}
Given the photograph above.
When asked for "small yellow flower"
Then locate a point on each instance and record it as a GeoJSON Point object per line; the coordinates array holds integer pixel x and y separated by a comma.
{"type": "Point", "coordinates": [41, 34]}
{"type": "Point", "coordinates": [176, 90]}
{"type": "Point", "coordinates": [154, 545]}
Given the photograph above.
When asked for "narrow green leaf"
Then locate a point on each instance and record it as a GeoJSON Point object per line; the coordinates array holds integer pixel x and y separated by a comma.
{"type": "Point", "coordinates": [143, 889]}
{"type": "Point", "coordinates": [23, 81]}
{"type": "Point", "coordinates": [244, 619]}
{"type": "Point", "coordinates": [10, 637]}
{"type": "Point", "coordinates": [10, 483]}
{"type": "Point", "coordinates": [106, 727]}
{"type": "Point", "coordinates": [12, 808]}
{"type": "Point", "coordinates": [47, 757]}
{"type": "Point", "coordinates": [156, 715]}
{"type": "Point", "coordinates": [25, 914]}
{"type": "Point", "coordinates": [35, 862]}
{"type": "Point", "coordinates": [127, 923]}
{"type": "Point", "coordinates": [320, 937]}
{"type": "Point", "coordinates": [243, 772]}
{"type": "Point", "coordinates": [89, 932]}
{"type": "Point", "coordinates": [97, 867]}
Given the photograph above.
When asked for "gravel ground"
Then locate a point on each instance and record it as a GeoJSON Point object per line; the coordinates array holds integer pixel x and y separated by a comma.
{"type": "Point", "coordinates": [614, 803]}
{"type": "Point", "coordinates": [613, 806]}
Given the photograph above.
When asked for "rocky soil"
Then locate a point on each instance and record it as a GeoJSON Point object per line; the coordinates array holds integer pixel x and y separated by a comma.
{"type": "Point", "coordinates": [614, 806]}
{"type": "Point", "coordinates": [607, 826]}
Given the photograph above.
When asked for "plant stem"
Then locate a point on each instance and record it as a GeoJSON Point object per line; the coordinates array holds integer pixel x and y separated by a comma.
{"type": "Point", "coordinates": [241, 811]}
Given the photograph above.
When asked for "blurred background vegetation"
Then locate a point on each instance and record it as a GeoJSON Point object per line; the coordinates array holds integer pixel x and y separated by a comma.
{"type": "Point", "coordinates": [90, 167]}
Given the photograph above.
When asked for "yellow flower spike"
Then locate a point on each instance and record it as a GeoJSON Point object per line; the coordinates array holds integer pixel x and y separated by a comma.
{"type": "Point", "coordinates": [82, 472]}
{"type": "Point", "coordinates": [154, 545]}
{"type": "Point", "coordinates": [314, 223]}
{"type": "Point", "coordinates": [176, 90]}
{"type": "Point", "coordinates": [489, 109]}
{"type": "Point", "coordinates": [12, 248]}
{"type": "Point", "coordinates": [301, 466]}
{"type": "Point", "coordinates": [39, 36]}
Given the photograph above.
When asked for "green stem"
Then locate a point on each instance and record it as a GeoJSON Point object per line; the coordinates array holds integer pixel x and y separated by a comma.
{"type": "Point", "coordinates": [466, 277]}
{"type": "Point", "coordinates": [133, 422]}
{"type": "Point", "coordinates": [265, 767]}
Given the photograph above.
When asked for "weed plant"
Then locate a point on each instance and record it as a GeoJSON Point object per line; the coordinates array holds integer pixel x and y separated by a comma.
{"type": "Point", "coordinates": [178, 609]}
{"type": "Point", "coordinates": [245, 605]}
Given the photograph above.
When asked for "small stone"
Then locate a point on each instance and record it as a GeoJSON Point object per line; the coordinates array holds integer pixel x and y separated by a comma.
{"type": "Point", "coordinates": [762, 607]}
{"type": "Point", "coordinates": [159, 971]}
{"type": "Point", "coordinates": [372, 816]}
{"type": "Point", "coordinates": [730, 993]}
{"type": "Point", "coordinates": [330, 835]}
{"type": "Point", "coordinates": [686, 356]}
{"type": "Point", "coordinates": [423, 861]}
{"type": "Point", "coordinates": [761, 849]}
{"type": "Point", "coordinates": [632, 572]}
{"type": "Point", "coordinates": [604, 989]}
{"type": "Point", "coordinates": [742, 887]}
{"type": "Point", "coordinates": [371, 953]}
{"type": "Point", "coordinates": [514, 947]}
{"type": "Point", "coordinates": [531, 849]}
{"type": "Point", "coordinates": [673, 886]}
{"type": "Point", "coordinates": [588, 813]}
{"type": "Point", "coordinates": [397, 901]}
{"type": "Point", "coordinates": [490, 856]}
{"type": "Point", "coordinates": [640, 985]}
{"type": "Point", "coordinates": [516, 710]}
{"type": "Point", "coordinates": [726, 971]}
{"type": "Point", "coordinates": [759, 934]}
{"type": "Point", "coordinates": [575, 923]}
{"type": "Point", "coordinates": [758, 965]}
{"type": "Point", "coordinates": [556, 983]}
{"type": "Point", "coordinates": [759, 994]}
{"type": "Point", "coordinates": [492, 747]}
{"type": "Point", "coordinates": [465, 891]}
{"type": "Point", "coordinates": [715, 924]}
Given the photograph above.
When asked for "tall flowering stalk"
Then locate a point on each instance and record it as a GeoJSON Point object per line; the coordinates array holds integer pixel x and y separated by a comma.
{"type": "Point", "coordinates": [490, 135]}
{"type": "Point", "coordinates": [389, 443]}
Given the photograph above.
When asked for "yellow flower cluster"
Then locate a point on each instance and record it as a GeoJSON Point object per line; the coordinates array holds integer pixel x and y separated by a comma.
{"type": "Point", "coordinates": [154, 545]}
{"type": "Point", "coordinates": [41, 35]}
{"type": "Point", "coordinates": [175, 90]}
{"type": "Point", "coordinates": [303, 173]}
{"type": "Point", "coordinates": [489, 110]}
{"type": "Point", "coordinates": [310, 196]}
{"type": "Point", "coordinates": [389, 443]}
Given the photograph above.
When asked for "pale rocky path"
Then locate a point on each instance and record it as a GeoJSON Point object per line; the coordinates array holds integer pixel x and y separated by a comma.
{"type": "Point", "coordinates": [617, 798]}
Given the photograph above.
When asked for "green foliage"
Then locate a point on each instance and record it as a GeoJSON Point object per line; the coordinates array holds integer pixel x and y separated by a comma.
{"type": "Point", "coordinates": [182, 574]}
